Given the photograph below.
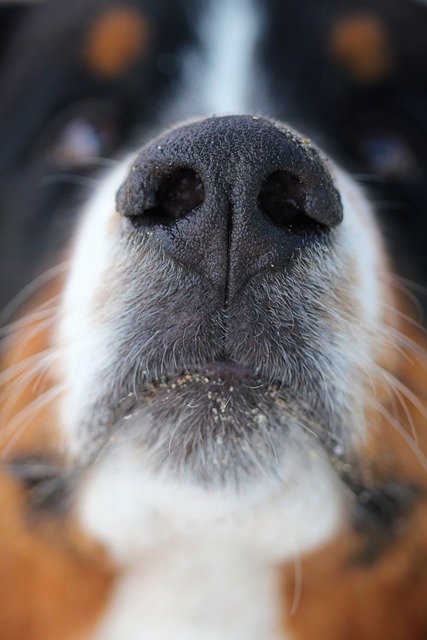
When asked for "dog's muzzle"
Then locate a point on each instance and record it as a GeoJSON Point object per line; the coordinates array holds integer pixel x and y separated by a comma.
{"type": "Point", "coordinates": [228, 311]}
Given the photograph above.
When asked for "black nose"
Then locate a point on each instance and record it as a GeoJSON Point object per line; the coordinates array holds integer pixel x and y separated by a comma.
{"type": "Point", "coordinates": [231, 197]}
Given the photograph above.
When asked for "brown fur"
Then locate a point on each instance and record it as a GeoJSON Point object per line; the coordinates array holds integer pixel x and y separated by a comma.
{"type": "Point", "coordinates": [54, 581]}
{"type": "Point", "coordinates": [371, 587]}
{"type": "Point", "coordinates": [360, 43]}
{"type": "Point", "coordinates": [118, 37]}
{"type": "Point", "coordinates": [24, 427]}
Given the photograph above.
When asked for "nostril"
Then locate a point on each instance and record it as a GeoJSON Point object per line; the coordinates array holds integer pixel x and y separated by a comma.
{"type": "Point", "coordinates": [177, 194]}
{"type": "Point", "coordinates": [282, 198]}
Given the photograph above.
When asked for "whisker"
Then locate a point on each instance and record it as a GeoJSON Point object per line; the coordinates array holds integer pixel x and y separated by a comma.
{"type": "Point", "coordinates": [407, 347]}
{"type": "Point", "coordinates": [12, 373]}
{"type": "Point", "coordinates": [409, 289]}
{"type": "Point", "coordinates": [406, 437]}
{"type": "Point", "coordinates": [99, 161]}
{"type": "Point", "coordinates": [30, 289]}
{"type": "Point", "coordinates": [407, 318]}
{"type": "Point", "coordinates": [405, 283]}
{"type": "Point", "coordinates": [391, 390]}
{"type": "Point", "coordinates": [40, 313]}
{"type": "Point", "coordinates": [22, 420]}
{"type": "Point", "coordinates": [70, 178]}
{"type": "Point", "coordinates": [11, 394]}
{"type": "Point", "coordinates": [368, 177]}
{"type": "Point", "coordinates": [298, 583]}
{"type": "Point", "coordinates": [30, 335]}
{"type": "Point", "coordinates": [397, 385]}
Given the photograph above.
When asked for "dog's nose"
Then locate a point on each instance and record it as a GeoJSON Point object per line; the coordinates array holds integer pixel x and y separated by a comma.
{"type": "Point", "coordinates": [231, 197]}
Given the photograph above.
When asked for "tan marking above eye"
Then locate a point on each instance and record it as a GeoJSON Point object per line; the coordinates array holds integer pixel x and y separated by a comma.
{"type": "Point", "coordinates": [114, 41]}
{"type": "Point", "coordinates": [361, 44]}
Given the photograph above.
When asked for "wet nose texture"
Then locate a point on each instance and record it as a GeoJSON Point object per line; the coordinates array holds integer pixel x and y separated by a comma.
{"type": "Point", "coordinates": [231, 197]}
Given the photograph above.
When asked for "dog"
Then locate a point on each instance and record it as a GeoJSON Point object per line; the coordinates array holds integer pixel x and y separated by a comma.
{"type": "Point", "coordinates": [213, 410]}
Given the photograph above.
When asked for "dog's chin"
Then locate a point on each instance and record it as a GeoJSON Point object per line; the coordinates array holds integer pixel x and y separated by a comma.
{"type": "Point", "coordinates": [214, 424]}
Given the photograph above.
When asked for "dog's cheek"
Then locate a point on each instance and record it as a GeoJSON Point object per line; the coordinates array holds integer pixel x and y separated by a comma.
{"type": "Point", "coordinates": [90, 293]}
{"type": "Point", "coordinates": [55, 581]}
{"type": "Point", "coordinates": [58, 576]}
{"type": "Point", "coordinates": [353, 589]}
{"type": "Point", "coordinates": [30, 390]}
{"type": "Point", "coordinates": [379, 561]}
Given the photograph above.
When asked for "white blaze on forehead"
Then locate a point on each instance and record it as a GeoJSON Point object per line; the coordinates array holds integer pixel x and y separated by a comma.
{"type": "Point", "coordinates": [219, 75]}
{"type": "Point", "coordinates": [229, 33]}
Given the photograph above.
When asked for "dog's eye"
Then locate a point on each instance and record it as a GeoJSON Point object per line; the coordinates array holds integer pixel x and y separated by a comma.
{"type": "Point", "coordinates": [79, 136]}
{"type": "Point", "coordinates": [388, 153]}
